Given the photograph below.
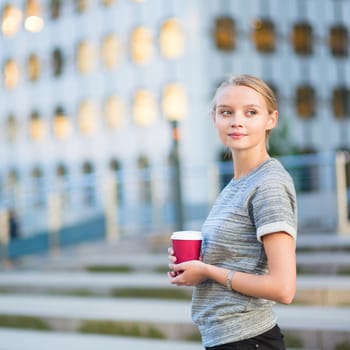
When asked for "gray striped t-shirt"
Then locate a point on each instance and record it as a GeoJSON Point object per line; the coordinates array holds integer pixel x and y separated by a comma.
{"type": "Point", "coordinates": [259, 203]}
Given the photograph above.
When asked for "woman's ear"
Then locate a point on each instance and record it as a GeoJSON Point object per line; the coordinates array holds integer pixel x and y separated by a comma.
{"type": "Point", "coordinates": [273, 119]}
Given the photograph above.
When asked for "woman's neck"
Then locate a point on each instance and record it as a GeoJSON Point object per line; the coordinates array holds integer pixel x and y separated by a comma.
{"type": "Point", "coordinates": [245, 163]}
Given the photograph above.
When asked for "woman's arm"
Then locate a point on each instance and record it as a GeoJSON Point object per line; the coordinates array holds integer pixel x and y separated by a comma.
{"type": "Point", "coordinates": [278, 285]}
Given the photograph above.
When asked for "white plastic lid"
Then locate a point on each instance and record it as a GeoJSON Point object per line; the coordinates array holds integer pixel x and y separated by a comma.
{"type": "Point", "coordinates": [187, 235]}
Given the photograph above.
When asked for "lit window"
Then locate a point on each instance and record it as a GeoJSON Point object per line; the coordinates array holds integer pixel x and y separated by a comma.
{"type": "Point", "coordinates": [61, 124]}
{"type": "Point", "coordinates": [302, 38]}
{"type": "Point", "coordinates": [82, 5]}
{"type": "Point", "coordinates": [174, 102]}
{"type": "Point", "coordinates": [33, 67]}
{"type": "Point", "coordinates": [11, 74]}
{"type": "Point", "coordinates": [36, 127]}
{"type": "Point", "coordinates": [108, 3]}
{"type": "Point", "coordinates": [172, 39]}
{"type": "Point", "coordinates": [86, 57]}
{"type": "Point", "coordinates": [341, 102]}
{"type": "Point", "coordinates": [339, 40]}
{"type": "Point", "coordinates": [264, 35]}
{"type": "Point", "coordinates": [11, 20]}
{"type": "Point", "coordinates": [141, 45]}
{"type": "Point", "coordinates": [111, 51]}
{"type": "Point", "coordinates": [55, 8]}
{"type": "Point", "coordinates": [12, 127]}
{"type": "Point", "coordinates": [114, 110]}
{"type": "Point", "coordinates": [33, 16]}
{"type": "Point", "coordinates": [87, 116]}
{"type": "Point", "coordinates": [225, 33]}
{"type": "Point", "coordinates": [306, 101]}
{"type": "Point", "coordinates": [57, 62]}
{"type": "Point", "coordinates": [144, 108]}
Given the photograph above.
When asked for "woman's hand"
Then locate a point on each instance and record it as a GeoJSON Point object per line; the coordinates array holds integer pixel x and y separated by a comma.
{"type": "Point", "coordinates": [189, 273]}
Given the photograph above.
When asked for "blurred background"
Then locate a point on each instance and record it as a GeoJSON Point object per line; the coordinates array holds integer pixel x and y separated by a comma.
{"type": "Point", "coordinates": [106, 136]}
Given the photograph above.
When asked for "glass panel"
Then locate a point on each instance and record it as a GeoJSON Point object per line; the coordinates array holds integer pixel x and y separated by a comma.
{"type": "Point", "coordinates": [306, 101]}
{"type": "Point", "coordinates": [57, 62]}
{"type": "Point", "coordinates": [264, 35]}
{"type": "Point", "coordinates": [87, 116]}
{"type": "Point", "coordinates": [114, 111]}
{"type": "Point", "coordinates": [338, 40]}
{"type": "Point", "coordinates": [142, 45]}
{"type": "Point", "coordinates": [11, 20]}
{"type": "Point", "coordinates": [86, 57]}
{"type": "Point", "coordinates": [172, 39]}
{"type": "Point", "coordinates": [55, 9]}
{"type": "Point", "coordinates": [61, 124]}
{"type": "Point", "coordinates": [33, 67]}
{"type": "Point", "coordinates": [11, 74]}
{"type": "Point", "coordinates": [144, 108]}
{"type": "Point", "coordinates": [174, 102]}
{"type": "Point", "coordinates": [225, 33]}
{"type": "Point", "coordinates": [111, 51]}
{"type": "Point", "coordinates": [302, 39]}
{"type": "Point", "coordinates": [36, 127]}
{"type": "Point", "coordinates": [12, 128]}
{"type": "Point", "coordinates": [341, 102]}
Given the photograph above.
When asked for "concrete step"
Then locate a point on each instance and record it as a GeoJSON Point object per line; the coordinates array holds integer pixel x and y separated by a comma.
{"type": "Point", "coordinates": [316, 327]}
{"type": "Point", "coordinates": [14, 339]}
{"type": "Point", "coordinates": [311, 289]}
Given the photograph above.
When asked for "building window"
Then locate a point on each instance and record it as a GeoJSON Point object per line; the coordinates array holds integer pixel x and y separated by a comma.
{"type": "Point", "coordinates": [11, 74]}
{"type": "Point", "coordinates": [108, 3]}
{"type": "Point", "coordinates": [116, 168]}
{"type": "Point", "coordinates": [55, 9]}
{"type": "Point", "coordinates": [63, 190]}
{"type": "Point", "coordinates": [82, 6]}
{"type": "Point", "coordinates": [111, 51]}
{"type": "Point", "coordinates": [61, 124]}
{"type": "Point", "coordinates": [36, 127]}
{"type": "Point", "coordinates": [306, 101]}
{"type": "Point", "coordinates": [57, 62]}
{"type": "Point", "coordinates": [142, 45]}
{"type": "Point", "coordinates": [174, 102]}
{"type": "Point", "coordinates": [38, 188]}
{"type": "Point", "coordinates": [172, 39]}
{"type": "Point", "coordinates": [225, 33]}
{"type": "Point", "coordinates": [145, 180]}
{"type": "Point", "coordinates": [302, 38]}
{"type": "Point", "coordinates": [86, 57]}
{"type": "Point", "coordinates": [12, 128]}
{"type": "Point", "coordinates": [341, 102]}
{"type": "Point", "coordinates": [114, 111]}
{"type": "Point", "coordinates": [87, 116]}
{"type": "Point", "coordinates": [89, 198]}
{"type": "Point", "coordinates": [339, 41]}
{"type": "Point", "coordinates": [264, 35]}
{"type": "Point", "coordinates": [144, 108]}
{"type": "Point", "coordinates": [33, 67]}
{"type": "Point", "coordinates": [11, 20]}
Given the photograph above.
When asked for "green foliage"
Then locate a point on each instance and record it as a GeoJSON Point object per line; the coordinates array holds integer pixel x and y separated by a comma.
{"type": "Point", "coordinates": [343, 346]}
{"type": "Point", "coordinates": [130, 329]}
{"type": "Point", "coordinates": [24, 322]}
{"type": "Point", "coordinates": [292, 341]}
{"type": "Point", "coordinates": [109, 268]}
{"type": "Point", "coordinates": [153, 293]}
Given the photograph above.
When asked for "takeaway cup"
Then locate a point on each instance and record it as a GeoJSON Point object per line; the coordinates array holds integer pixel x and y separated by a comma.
{"type": "Point", "coordinates": [186, 245]}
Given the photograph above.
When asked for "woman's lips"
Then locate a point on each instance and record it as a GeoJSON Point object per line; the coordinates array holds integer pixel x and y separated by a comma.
{"type": "Point", "coordinates": [236, 135]}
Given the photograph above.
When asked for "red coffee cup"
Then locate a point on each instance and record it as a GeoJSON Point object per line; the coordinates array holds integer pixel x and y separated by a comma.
{"type": "Point", "coordinates": [186, 245]}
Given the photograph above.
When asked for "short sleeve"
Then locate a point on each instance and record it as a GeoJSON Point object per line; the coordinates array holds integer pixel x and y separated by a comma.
{"type": "Point", "coordinates": [273, 209]}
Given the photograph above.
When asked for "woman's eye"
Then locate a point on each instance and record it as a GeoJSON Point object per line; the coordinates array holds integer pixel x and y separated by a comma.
{"type": "Point", "coordinates": [225, 113]}
{"type": "Point", "coordinates": [251, 112]}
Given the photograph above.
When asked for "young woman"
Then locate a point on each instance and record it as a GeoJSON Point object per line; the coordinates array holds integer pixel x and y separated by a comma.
{"type": "Point", "coordinates": [248, 252]}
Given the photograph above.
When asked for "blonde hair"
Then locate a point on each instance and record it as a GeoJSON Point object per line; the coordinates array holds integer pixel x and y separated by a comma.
{"type": "Point", "coordinates": [252, 82]}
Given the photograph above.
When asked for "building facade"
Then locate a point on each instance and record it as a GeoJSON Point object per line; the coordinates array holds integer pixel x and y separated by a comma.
{"type": "Point", "coordinates": [97, 86]}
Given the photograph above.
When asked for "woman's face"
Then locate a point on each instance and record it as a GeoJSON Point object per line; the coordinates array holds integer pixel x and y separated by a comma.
{"type": "Point", "coordinates": [242, 118]}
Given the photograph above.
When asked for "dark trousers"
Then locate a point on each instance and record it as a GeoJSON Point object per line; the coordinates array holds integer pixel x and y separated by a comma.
{"type": "Point", "coordinates": [270, 340]}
